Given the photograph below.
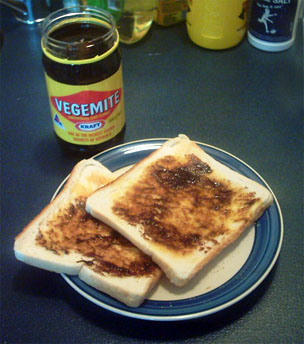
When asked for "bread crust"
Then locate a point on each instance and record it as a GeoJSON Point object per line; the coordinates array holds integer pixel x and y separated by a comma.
{"type": "Point", "coordinates": [85, 178]}
{"type": "Point", "coordinates": [120, 202]}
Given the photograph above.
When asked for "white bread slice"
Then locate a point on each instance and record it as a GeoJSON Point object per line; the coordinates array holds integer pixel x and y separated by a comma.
{"type": "Point", "coordinates": [180, 206]}
{"type": "Point", "coordinates": [37, 244]}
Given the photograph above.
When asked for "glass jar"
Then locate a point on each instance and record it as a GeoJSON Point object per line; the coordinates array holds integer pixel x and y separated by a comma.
{"type": "Point", "coordinates": [83, 73]}
{"type": "Point", "coordinates": [135, 20]}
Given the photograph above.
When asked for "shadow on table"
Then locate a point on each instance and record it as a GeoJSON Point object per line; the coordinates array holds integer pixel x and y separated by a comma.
{"type": "Point", "coordinates": [49, 154]}
{"type": "Point", "coordinates": [39, 282]}
{"type": "Point", "coordinates": [142, 329]}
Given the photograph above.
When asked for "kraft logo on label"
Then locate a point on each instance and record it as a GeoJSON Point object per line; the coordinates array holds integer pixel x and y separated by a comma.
{"type": "Point", "coordinates": [87, 105]}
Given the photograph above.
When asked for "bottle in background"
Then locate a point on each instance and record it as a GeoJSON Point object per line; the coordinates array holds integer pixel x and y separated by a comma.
{"type": "Point", "coordinates": [115, 7]}
{"type": "Point", "coordinates": [272, 24]}
{"type": "Point", "coordinates": [170, 12]}
{"type": "Point", "coordinates": [136, 20]}
{"type": "Point", "coordinates": [217, 24]}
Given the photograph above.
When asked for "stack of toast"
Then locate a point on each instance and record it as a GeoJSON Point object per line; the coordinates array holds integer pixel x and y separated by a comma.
{"type": "Point", "coordinates": [171, 213]}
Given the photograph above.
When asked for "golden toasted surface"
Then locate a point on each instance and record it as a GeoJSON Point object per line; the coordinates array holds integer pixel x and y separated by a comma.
{"type": "Point", "coordinates": [181, 204]}
{"type": "Point", "coordinates": [73, 230]}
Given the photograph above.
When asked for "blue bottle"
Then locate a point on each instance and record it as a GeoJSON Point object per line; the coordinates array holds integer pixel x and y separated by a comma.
{"type": "Point", "coordinates": [272, 24]}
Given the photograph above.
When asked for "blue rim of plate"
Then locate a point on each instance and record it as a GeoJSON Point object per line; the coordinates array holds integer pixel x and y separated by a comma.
{"type": "Point", "coordinates": [264, 253]}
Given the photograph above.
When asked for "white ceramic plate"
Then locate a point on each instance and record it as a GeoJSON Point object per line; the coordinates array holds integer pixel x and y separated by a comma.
{"type": "Point", "coordinates": [229, 278]}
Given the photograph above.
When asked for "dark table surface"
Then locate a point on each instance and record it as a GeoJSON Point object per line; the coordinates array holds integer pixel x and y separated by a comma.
{"type": "Point", "coordinates": [244, 101]}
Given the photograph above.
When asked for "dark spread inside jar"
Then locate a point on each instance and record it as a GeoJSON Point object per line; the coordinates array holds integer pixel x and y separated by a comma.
{"type": "Point", "coordinates": [85, 44]}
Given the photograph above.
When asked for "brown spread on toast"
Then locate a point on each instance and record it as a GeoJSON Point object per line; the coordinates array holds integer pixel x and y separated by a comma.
{"type": "Point", "coordinates": [181, 204]}
{"type": "Point", "coordinates": [73, 230]}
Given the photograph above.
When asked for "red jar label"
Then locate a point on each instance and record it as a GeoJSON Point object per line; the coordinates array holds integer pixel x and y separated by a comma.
{"type": "Point", "coordinates": [87, 114]}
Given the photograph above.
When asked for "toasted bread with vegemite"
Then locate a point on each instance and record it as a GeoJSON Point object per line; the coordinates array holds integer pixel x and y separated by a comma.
{"type": "Point", "coordinates": [64, 238]}
{"type": "Point", "coordinates": [180, 206]}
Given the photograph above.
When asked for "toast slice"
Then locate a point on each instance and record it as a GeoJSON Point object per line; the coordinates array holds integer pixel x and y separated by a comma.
{"type": "Point", "coordinates": [64, 238]}
{"type": "Point", "coordinates": [180, 206]}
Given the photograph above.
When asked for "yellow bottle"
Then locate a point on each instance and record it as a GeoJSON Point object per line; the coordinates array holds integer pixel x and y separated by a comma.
{"type": "Point", "coordinates": [217, 24]}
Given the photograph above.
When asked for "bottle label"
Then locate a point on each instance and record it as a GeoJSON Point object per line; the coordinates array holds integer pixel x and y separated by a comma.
{"type": "Point", "coordinates": [273, 20]}
{"type": "Point", "coordinates": [87, 114]}
{"type": "Point", "coordinates": [170, 12]}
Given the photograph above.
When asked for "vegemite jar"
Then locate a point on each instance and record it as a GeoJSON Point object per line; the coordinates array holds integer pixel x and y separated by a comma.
{"type": "Point", "coordinates": [83, 73]}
